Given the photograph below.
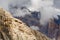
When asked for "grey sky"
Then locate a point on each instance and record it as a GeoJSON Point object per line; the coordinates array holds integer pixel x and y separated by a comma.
{"type": "Point", "coordinates": [5, 2]}
{"type": "Point", "coordinates": [57, 3]}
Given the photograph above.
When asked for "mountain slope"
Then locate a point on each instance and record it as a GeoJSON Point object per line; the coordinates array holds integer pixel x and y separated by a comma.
{"type": "Point", "coordinates": [14, 29]}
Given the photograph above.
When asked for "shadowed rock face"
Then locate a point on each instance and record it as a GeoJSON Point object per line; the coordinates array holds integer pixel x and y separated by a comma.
{"type": "Point", "coordinates": [14, 29]}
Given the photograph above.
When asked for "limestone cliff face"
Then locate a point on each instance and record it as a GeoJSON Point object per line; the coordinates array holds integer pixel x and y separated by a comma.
{"type": "Point", "coordinates": [14, 29]}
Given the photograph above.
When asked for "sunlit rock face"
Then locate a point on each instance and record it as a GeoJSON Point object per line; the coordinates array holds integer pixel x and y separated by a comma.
{"type": "Point", "coordinates": [14, 29]}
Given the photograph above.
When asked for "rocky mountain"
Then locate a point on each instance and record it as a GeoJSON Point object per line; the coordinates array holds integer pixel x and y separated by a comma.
{"type": "Point", "coordinates": [54, 30]}
{"type": "Point", "coordinates": [14, 29]}
{"type": "Point", "coordinates": [51, 29]}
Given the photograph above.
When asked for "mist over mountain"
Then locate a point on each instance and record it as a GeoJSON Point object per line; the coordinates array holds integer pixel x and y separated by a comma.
{"type": "Point", "coordinates": [45, 7]}
{"type": "Point", "coordinates": [35, 12]}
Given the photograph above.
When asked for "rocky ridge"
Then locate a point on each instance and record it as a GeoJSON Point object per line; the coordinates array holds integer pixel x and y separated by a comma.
{"type": "Point", "coordinates": [14, 29]}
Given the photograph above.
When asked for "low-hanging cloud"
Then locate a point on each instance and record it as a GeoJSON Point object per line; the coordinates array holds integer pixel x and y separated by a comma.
{"type": "Point", "coordinates": [14, 6]}
{"type": "Point", "coordinates": [4, 4]}
{"type": "Point", "coordinates": [48, 11]}
{"type": "Point", "coordinates": [44, 6]}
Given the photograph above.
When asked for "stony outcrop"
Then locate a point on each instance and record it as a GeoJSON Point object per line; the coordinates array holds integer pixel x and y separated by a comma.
{"type": "Point", "coordinates": [54, 30]}
{"type": "Point", "coordinates": [14, 29]}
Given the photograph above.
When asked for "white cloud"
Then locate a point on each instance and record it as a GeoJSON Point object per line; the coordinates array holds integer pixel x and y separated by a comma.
{"type": "Point", "coordinates": [44, 6]}
{"type": "Point", "coordinates": [35, 27]}
{"type": "Point", "coordinates": [4, 4]}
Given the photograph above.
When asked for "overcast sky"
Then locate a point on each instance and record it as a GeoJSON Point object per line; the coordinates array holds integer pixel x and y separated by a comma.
{"type": "Point", "coordinates": [5, 2]}
{"type": "Point", "coordinates": [57, 3]}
